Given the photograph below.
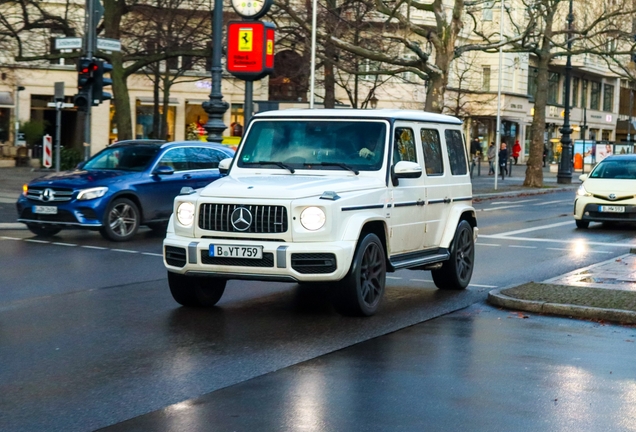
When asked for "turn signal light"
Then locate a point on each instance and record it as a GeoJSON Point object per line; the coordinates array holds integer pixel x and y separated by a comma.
{"type": "Point", "coordinates": [25, 189]}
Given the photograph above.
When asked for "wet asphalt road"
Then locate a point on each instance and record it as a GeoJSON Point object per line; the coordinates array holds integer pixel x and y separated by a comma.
{"type": "Point", "coordinates": [90, 337]}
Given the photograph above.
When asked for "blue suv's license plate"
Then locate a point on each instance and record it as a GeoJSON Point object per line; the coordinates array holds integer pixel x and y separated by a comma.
{"type": "Point", "coordinates": [230, 251]}
{"type": "Point", "coordinates": [45, 209]}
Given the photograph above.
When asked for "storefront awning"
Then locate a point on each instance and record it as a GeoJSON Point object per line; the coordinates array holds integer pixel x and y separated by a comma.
{"type": "Point", "coordinates": [6, 99]}
{"type": "Point", "coordinates": [195, 101]}
{"type": "Point", "coordinates": [149, 100]}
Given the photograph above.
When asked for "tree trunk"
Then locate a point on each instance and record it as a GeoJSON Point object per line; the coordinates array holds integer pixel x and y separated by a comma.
{"type": "Point", "coordinates": [330, 81]}
{"type": "Point", "coordinates": [534, 171]}
{"type": "Point", "coordinates": [123, 114]}
{"type": "Point", "coordinates": [435, 93]}
{"type": "Point", "coordinates": [166, 105]}
{"type": "Point", "coordinates": [156, 119]}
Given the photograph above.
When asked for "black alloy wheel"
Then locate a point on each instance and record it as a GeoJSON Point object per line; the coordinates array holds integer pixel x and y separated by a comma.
{"type": "Point", "coordinates": [195, 291]}
{"type": "Point", "coordinates": [455, 273]}
{"type": "Point", "coordinates": [43, 230]}
{"type": "Point", "coordinates": [121, 220]}
{"type": "Point", "coordinates": [360, 292]}
{"type": "Point", "coordinates": [582, 224]}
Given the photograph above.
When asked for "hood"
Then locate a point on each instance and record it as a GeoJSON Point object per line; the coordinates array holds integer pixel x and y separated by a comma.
{"type": "Point", "coordinates": [291, 186]}
{"type": "Point", "coordinates": [80, 178]}
{"type": "Point", "coordinates": [619, 187]}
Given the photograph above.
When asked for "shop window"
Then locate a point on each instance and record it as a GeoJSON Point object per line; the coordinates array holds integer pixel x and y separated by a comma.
{"type": "Point", "coordinates": [238, 120]}
{"type": "Point", "coordinates": [143, 126]}
{"type": "Point", "coordinates": [195, 119]}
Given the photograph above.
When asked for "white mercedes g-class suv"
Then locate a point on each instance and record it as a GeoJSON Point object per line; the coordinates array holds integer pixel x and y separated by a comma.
{"type": "Point", "coordinates": [329, 196]}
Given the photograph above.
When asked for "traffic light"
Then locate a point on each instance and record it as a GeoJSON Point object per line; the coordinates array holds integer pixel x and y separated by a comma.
{"type": "Point", "coordinates": [86, 69]}
{"type": "Point", "coordinates": [99, 82]}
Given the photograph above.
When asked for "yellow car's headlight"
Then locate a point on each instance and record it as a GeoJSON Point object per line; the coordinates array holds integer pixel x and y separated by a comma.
{"type": "Point", "coordinates": [312, 218]}
{"type": "Point", "coordinates": [582, 192]}
{"type": "Point", "coordinates": [185, 213]}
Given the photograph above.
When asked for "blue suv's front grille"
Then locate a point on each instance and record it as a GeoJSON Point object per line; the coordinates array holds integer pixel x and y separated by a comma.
{"type": "Point", "coordinates": [261, 219]}
{"type": "Point", "coordinates": [49, 194]}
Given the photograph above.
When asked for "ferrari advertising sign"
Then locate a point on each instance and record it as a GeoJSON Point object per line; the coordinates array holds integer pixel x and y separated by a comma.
{"type": "Point", "coordinates": [250, 52]}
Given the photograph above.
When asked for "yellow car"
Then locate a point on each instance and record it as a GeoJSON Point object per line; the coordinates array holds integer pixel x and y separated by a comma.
{"type": "Point", "coordinates": [608, 193]}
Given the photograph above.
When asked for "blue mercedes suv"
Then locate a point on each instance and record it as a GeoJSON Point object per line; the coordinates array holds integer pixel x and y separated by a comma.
{"type": "Point", "coordinates": [128, 184]}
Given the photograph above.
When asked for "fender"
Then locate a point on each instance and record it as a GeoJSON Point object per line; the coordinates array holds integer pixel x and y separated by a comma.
{"type": "Point", "coordinates": [453, 220]}
{"type": "Point", "coordinates": [357, 221]}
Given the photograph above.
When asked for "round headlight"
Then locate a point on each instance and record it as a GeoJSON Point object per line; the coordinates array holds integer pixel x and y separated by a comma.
{"type": "Point", "coordinates": [185, 213]}
{"type": "Point", "coordinates": [312, 218]}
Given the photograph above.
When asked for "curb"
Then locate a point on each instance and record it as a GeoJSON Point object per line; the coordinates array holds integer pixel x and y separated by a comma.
{"type": "Point", "coordinates": [485, 196]}
{"type": "Point", "coordinates": [12, 226]}
{"type": "Point", "coordinates": [495, 297]}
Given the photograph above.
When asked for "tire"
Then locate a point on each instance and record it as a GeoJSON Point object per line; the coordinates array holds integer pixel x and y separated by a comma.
{"type": "Point", "coordinates": [455, 273]}
{"type": "Point", "coordinates": [43, 230]}
{"type": "Point", "coordinates": [121, 220]}
{"type": "Point", "coordinates": [581, 224]}
{"type": "Point", "coordinates": [195, 291]}
{"type": "Point", "coordinates": [360, 292]}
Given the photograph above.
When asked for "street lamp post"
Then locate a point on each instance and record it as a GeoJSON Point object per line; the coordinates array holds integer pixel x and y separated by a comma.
{"type": "Point", "coordinates": [216, 106]}
{"type": "Point", "coordinates": [18, 89]}
{"type": "Point", "coordinates": [564, 175]}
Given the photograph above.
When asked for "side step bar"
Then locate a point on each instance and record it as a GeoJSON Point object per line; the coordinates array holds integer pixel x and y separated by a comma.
{"type": "Point", "coordinates": [419, 260]}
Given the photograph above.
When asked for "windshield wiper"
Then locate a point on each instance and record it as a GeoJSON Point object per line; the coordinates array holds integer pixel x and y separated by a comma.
{"type": "Point", "coordinates": [279, 164]}
{"type": "Point", "coordinates": [338, 164]}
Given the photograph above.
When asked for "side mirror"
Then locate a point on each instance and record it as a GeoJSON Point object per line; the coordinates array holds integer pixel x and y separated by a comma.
{"type": "Point", "coordinates": [224, 166]}
{"type": "Point", "coordinates": [583, 177]}
{"type": "Point", "coordinates": [404, 169]}
{"type": "Point", "coordinates": [163, 170]}
{"type": "Point", "coordinates": [80, 165]}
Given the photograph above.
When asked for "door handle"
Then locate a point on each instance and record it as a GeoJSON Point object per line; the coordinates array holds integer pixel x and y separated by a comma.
{"type": "Point", "coordinates": [447, 200]}
{"type": "Point", "coordinates": [187, 176]}
{"type": "Point", "coordinates": [420, 202]}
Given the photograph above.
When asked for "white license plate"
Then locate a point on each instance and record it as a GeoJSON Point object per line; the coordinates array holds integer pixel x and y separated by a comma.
{"type": "Point", "coordinates": [227, 251]}
{"type": "Point", "coordinates": [45, 209]}
{"type": "Point", "coordinates": [611, 209]}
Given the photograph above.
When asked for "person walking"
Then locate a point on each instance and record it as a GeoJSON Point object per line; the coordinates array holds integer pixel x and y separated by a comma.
{"type": "Point", "coordinates": [492, 153]}
{"type": "Point", "coordinates": [503, 160]}
{"type": "Point", "coordinates": [516, 151]}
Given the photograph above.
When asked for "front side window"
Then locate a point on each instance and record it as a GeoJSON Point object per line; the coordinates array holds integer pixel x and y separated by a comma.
{"type": "Point", "coordinates": [432, 148]}
{"type": "Point", "coordinates": [128, 158]}
{"type": "Point", "coordinates": [456, 152]}
{"type": "Point", "coordinates": [314, 144]}
{"type": "Point", "coordinates": [404, 145]}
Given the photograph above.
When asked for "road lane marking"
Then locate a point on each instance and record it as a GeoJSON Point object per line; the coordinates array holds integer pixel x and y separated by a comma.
{"type": "Point", "coordinates": [421, 280]}
{"type": "Point", "coordinates": [499, 208]}
{"type": "Point", "coordinates": [576, 242]}
{"type": "Point", "coordinates": [524, 247]}
{"type": "Point", "coordinates": [551, 202]}
{"type": "Point", "coordinates": [36, 241]}
{"type": "Point", "coordinates": [525, 230]}
{"type": "Point", "coordinates": [124, 250]}
{"type": "Point", "coordinates": [514, 202]}
{"type": "Point", "coordinates": [393, 277]}
{"type": "Point", "coordinates": [483, 286]}
{"type": "Point", "coordinates": [95, 247]}
{"type": "Point", "coordinates": [487, 244]}
{"type": "Point", "coordinates": [63, 244]}
{"type": "Point", "coordinates": [595, 251]}
{"type": "Point", "coordinates": [152, 254]}
{"type": "Point", "coordinates": [9, 238]}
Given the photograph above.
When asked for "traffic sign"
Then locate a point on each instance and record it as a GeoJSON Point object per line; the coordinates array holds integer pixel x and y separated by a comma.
{"type": "Point", "coordinates": [107, 44]}
{"type": "Point", "coordinates": [68, 43]}
{"type": "Point", "coordinates": [60, 104]}
{"type": "Point", "coordinates": [47, 153]}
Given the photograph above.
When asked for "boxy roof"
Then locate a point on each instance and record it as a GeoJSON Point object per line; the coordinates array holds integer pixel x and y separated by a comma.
{"type": "Point", "coordinates": [343, 113]}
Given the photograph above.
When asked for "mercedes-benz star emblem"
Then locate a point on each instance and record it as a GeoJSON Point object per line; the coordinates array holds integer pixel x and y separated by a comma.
{"type": "Point", "coordinates": [612, 196]}
{"type": "Point", "coordinates": [47, 195]}
{"type": "Point", "coordinates": [241, 219]}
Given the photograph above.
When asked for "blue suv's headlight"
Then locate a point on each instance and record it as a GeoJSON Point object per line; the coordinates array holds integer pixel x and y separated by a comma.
{"type": "Point", "coordinates": [92, 193]}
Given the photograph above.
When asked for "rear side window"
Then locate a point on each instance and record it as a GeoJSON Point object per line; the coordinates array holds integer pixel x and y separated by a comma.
{"type": "Point", "coordinates": [203, 158]}
{"type": "Point", "coordinates": [433, 160]}
{"type": "Point", "coordinates": [456, 152]}
{"type": "Point", "coordinates": [404, 145]}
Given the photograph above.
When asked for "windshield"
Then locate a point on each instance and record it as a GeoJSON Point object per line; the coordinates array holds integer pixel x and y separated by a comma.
{"type": "Point", "coordinates": [128, 158]}
{"type": "Point", "coordinates": [315, 144]}
{"type": "Point", "coordinates": [615, 169]}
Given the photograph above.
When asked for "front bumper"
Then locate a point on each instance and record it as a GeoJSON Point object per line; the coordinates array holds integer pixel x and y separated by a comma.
{"type": "Point", "coordinates": [287, 262]}
{"type": "Point", "coordinates": [588, 209]}
{"type": "Point", "coordinates": [86, 214]}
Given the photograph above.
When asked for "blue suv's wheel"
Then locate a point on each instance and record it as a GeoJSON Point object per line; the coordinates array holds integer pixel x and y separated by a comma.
{"type": "Point", "coordinates": [121, 220]}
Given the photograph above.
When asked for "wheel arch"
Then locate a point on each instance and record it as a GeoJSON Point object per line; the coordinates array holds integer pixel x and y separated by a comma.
{"type": "Point", "coordinates": [457, 215]}
{"type": "Point", "coordinates": [132, 197]}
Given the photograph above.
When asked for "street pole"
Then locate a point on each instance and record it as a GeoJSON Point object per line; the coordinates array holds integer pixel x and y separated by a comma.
{"type": "Point", "coordinates": [249, 106]}
{"type": "Point", "coordinates": [629, 121]}
{"type": "Point", "coordinates": [18, 89]}
{"type": "Point", "coordinates": [89, 41]}
{"type": "Point", "coordinates": [59, 102]}
{"type": "Point", "coordinates": [215, 107]}
{"type": "Point", "coordinates": [564, 175]}
{"type": "Point", "coordinates": [498, 136]}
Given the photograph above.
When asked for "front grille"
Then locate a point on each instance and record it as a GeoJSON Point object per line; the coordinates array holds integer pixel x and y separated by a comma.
{"type": "Point", "coordinates": [57, 195]}
{"type": "Point", "coordinates": [266, 261]}
{"type": "Point", "coordinates": [265, 218]}
{"type": "Point", "coordinates": [314, 263]}
{"type": "Point", "coordinates": [61, 216]}
{"type": "Point", "coordinates": [175, 256]}
{"type": "Point", "coordinates": [606, 198]}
